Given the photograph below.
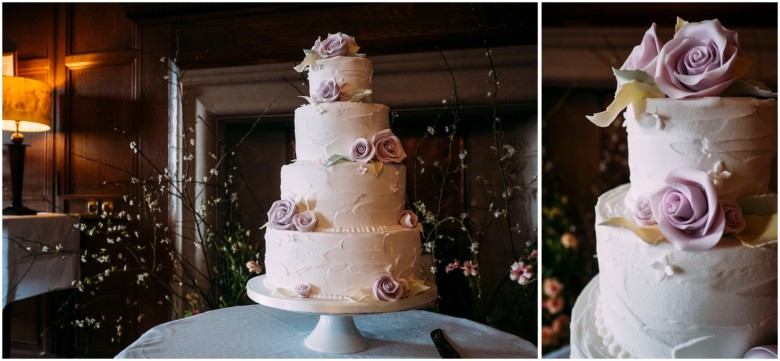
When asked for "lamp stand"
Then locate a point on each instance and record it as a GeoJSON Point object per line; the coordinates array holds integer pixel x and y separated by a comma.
{"type": "Point", "coordinates": [16, 160]}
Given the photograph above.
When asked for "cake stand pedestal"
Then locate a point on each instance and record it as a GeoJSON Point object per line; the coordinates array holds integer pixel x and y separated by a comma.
{"type": "Point", "coordinates": [336, 331]}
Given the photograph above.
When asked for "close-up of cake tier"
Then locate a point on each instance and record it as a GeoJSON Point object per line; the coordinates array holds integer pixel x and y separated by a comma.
{"type": "Point", "coordinates": [352, 74]}
{"type": "Point", "coordinates": [658, 302]}
{"type": "Point", "coordinates": [731, 138]}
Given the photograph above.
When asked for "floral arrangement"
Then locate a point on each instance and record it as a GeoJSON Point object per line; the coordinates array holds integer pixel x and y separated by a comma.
{"type": "Point", "coordinates": [384, 147]}
{"type": "Point", "coordinates": [334, 45]}
{"type": "Point", "coordinates": [703, 59]}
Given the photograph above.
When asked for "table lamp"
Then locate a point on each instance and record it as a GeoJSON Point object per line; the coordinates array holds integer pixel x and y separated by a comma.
{"type": "Point", "coordinates": [26, 108]}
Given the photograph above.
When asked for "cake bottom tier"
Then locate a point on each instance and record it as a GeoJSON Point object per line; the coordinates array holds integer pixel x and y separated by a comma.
{"type": "Point", "coordinates": [658, 302]}
{"type": "Point", "coordinates": [339, 265]}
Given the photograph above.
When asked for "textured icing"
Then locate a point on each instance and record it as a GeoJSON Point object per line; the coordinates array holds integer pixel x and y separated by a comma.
{"type": "Point", "coordinates": [717, 303]}
{"type": "Point", "coordinates": [325, 129]}
{"type": "Point", "coordinates": [338, 264]}
{"type": "Point", "coordinates": [737, 136]}
{"type": "Point", "coordinates": [350, 73]}
{"type": "Point", "coordinates": [347, 196]}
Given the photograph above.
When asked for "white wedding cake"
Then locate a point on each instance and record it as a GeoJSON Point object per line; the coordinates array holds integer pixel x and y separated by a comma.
{"type": "Point", "coordinates": [687, 251]}
{"type": "Point", "coordinates": [341, 230]}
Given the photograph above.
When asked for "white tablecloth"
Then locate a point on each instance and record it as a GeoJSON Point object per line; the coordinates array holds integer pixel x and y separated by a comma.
{"type": "Point", "coordinates": [31, 273]}
{"type": "Point", "coordinates": [259, 331]}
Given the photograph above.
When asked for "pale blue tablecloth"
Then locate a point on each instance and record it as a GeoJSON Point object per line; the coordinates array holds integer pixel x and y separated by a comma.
{"type": "Point", "coordinates": [259, 331]}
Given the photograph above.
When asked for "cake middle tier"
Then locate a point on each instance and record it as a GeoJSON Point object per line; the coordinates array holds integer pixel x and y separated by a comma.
{"type": "Point", "coordinates": [733, 140]}
{"type": "Point", "coordinates": [325, 129]}
{"type": "Point", "coordinates": [347, 196]}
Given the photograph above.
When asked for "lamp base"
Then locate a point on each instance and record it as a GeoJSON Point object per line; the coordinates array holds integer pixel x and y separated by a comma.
{"type": "Point", "coordinates": [19, 211]}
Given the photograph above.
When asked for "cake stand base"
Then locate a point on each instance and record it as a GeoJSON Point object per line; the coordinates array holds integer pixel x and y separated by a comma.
{"type": "Point", "coordinates": [336, 334]}
{"type": "Point", "coordinates": [336, 331]}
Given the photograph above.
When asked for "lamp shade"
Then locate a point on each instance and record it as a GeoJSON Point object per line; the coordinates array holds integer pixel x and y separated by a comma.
{"type": "Point", "coordinates": [28, 102]}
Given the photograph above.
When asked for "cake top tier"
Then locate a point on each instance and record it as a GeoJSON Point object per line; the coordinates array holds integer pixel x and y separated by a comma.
{"type": "Point", "coordinates": [336, 71]}
{"type": "Point", "coordinates": [703, 59]}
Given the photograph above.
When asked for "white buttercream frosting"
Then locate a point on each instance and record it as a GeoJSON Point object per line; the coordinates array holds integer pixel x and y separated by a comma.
{"type": "Point", "coordinates": [337, 265]}
{"type": "Point", "coordinates": [325, 129]}
{"type": "Point", "coordinates": [658, 302]}
{"type": "Point", "coordinates": [734, 140]}
{"type": "Point", "coordinates": [347, 196]}
{"type": "Point", "coordinates": [352, 74]}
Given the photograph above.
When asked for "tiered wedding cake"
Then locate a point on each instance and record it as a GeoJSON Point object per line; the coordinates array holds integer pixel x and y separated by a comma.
{"type": "Point", "coordinates": [340, 230]}
{"type": "Point", "coordinates": [687, 251]}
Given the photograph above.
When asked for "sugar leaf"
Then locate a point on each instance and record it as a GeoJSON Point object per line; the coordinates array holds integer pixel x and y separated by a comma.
{"type": "Point", "coordinates": [336, 158]}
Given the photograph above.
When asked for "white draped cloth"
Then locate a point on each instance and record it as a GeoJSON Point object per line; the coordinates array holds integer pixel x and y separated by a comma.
{"type": "Point", "coordinates": [258, 331]}
{"type": "Point", "coordinates": [34, 271]}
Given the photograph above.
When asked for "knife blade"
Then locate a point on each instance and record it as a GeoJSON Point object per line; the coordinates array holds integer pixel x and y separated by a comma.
{"type": "Point", "coordinates": [444, 347]}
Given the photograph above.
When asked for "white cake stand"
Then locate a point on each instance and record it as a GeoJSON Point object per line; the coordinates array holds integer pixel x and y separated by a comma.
{"type": "Point", "coordinates": [336, 331]}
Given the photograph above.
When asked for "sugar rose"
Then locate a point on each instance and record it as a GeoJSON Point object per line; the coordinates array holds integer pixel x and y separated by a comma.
{"type": "Point", "coordinates": [644, 55]}
{"type": "Point", "coordinates": [281, 214]}
{"type": "Point", "coordinates": [328, 91]}
{"type": "Point", "coordinates": [735, 222]}
{"type": "Point", "coordinates": [687, 210]}
{"type": "Point", "coordinates": [388, 289]}
{"type": "Point", "coordinates": [334, 45]}
{"type": "Point", "coordinates": [643, 213]}
{"type": "Point", "coordinates": [388, 147]}
{"type": "Point", "coordinates": [305, 221]}
{"type": "Point", "coordinates": [407, 219]}
{"type": "Point", "coordinates": [362, 150]}
{"type": "Point", "coordinates": [303, 290]}
{"type": "Point", "coordinates": [701, 60]}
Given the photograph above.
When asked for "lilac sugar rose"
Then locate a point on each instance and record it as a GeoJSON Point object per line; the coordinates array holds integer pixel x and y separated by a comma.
{"type": "Point", "coordinates": [643, 213]}
{"type": "Point", "coordinates": [388, 289]}
{"type": "Point", "coordinates": [407, 219]}
{"type": "Point", "coordinates": [362, 150]}
{"type": "Point", "coordinates": [643, 56]}
{"type": "Point", "coordinates": [334, 45]}
{"type": "Point", "coordinates": [305, 221]}
{"type": "Point", "coordinates": [735, 222]}
{"type": "Point", "coordinates": [388, 147]}
{"type": "Point", "coordinates": [687, 210]}
{"type": "Point", "coordinates": [328, 92]}
{"type": "Point", "coordinates": [281, 214]}
{"type": "Point", "coordinates": [701, 60]}
{"type": "Point", "coordinates": [303, 290]}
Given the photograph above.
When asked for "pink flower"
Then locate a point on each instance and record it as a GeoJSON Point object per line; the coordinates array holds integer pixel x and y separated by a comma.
{"type": "Point", "coordinates": [533, 254]}
{"type": "Point", "coordinates": [469, 269]}
{"type": "Point", "coordinates": [362, 150]}
{"type": "Point", "coordinates": [305, 221]}
{"type": "Point", "coordinates": [388, 289]}
{"type": "Point", "coordinates": [254, 266]}
{"type": "Point", "coordinates": [687, 210]}
{"type": "Point", "coordinates": [281, 214]}
{"type": "Point", "coordinates": [699, 61]}
{"type": "Point", "coordinates": [452, 266]}
{"type": "Point", "coordinates": [735, 223]}
{"type": "Point", "coordinates": [303, 290]}
{"type": "Point", "coordinates": [388, 147]}
{"type": "Point", "coordinates": [643, 213]}
{"type": "Point", "coordinates": [521, 273]}
{"type": "Point", "coordinates": [328, 91]}
{"type": "Point", "coordinates": [334, 45]}
{"type": "Point", "coordinates": [644, 56]}
{"type": "Point", "coordinates": [560, 325]}
{"type": "Point", "coordinates": [548, 336]}
{"type": "Point", "coordinates": [552, 287]}
{"type": "Point", "coordinates": [554, 305]}
{"type": "Point", "coordinates": [407, 219]}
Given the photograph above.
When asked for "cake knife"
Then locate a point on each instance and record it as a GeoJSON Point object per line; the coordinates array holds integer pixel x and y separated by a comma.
{"type": "Point", "coordinates": [446, 350]}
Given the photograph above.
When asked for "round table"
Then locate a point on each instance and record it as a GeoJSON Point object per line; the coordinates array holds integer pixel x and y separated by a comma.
{"type": "Point", "coordinates": [258, 331]}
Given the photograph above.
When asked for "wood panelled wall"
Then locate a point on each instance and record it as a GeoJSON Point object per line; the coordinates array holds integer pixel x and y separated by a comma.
{"type": "Point", "coordinates": [103, 60]}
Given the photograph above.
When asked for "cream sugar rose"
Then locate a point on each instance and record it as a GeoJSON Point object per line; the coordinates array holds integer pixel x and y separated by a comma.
{"type": "Point", "coordinates": [341, 230]}
{"type": "Point", "coordinates": [687, 251]}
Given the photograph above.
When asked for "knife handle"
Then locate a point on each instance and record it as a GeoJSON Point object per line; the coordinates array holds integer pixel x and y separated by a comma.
{"type": "Point", "coordinates": [442, 345]}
